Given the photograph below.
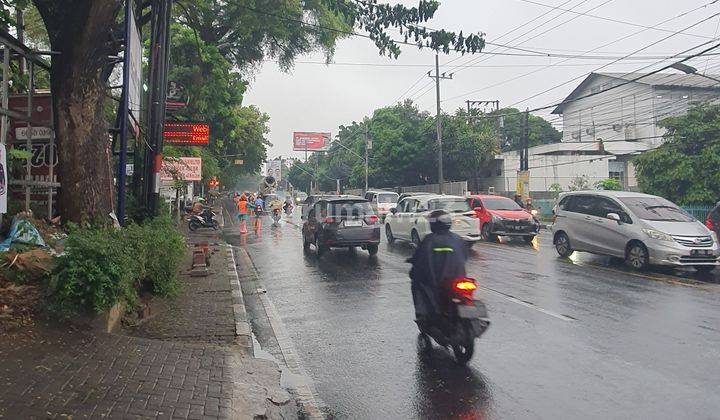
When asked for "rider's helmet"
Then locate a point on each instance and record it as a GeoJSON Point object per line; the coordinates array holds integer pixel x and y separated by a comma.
{"type": "Point", "coordinates": [440, 221]}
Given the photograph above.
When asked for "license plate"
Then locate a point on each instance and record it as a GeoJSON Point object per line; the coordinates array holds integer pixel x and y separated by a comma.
{"type": "Point", "coordinates": [475, 311]}
{"type": "Point", "coordinates": [701, 252]}
{"type": "Point", "coordinates": [353, 223]}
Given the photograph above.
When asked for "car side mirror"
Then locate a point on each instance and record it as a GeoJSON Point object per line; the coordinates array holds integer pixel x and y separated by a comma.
{"type": "Point", "coordinates": [421, 209]}
{"type": "Point", "coordinates": [393, 210]}
{"type": "Point", "coordinates": [614, 216]}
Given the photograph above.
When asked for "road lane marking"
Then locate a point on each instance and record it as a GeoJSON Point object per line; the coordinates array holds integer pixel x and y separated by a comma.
{"type": "Point", "coordinates": [527, 304]}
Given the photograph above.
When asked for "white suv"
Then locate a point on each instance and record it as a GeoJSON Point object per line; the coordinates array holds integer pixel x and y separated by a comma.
{"type": "Point", "coordinates": [409, 220]}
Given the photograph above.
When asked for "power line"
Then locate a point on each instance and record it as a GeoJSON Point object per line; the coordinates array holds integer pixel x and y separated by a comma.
{"type": "Point", "coordinates": [605, 65]}
{"type": "Point", "coordinates": [624, 22]}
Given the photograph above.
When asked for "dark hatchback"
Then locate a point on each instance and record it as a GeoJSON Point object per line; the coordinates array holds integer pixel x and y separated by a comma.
{"type": "Point", "coordinates": [341, 222]}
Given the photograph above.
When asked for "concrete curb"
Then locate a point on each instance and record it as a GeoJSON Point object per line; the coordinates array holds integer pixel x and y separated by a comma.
{"type": "Point", "coordinates": [243, 331]}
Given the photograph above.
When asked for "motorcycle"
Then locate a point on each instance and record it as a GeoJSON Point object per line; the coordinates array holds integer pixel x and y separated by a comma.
{"type": "Point", "coordinates": [276, 216]}
{"type": "Point", "coordinates": [206, 219]}
{"type": "Point", "coordinates": [462, 320]}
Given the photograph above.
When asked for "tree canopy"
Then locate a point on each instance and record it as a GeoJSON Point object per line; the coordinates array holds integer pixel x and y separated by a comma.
{"type": "Point", "coordinates": [684, 169]}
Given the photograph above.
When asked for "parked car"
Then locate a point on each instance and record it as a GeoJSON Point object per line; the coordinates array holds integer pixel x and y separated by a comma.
{"type": "Point", "coordinates": [335, 222]}
{"type": "Point", "coordinates": [382, 201]}
{"type": "Point", "coordinates": [409, 220]}
{"type": "Point", "coordinates": [643, 229]}
{"type": "Point", "coordinates": [501, 216]}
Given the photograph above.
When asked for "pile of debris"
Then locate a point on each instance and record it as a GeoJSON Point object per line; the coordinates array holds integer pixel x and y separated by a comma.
{"type": "Point", "coordinates": [25, 259]}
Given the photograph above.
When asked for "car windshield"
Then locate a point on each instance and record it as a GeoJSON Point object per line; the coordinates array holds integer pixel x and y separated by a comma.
{"type": "Point", "coordinates": [385, 198]}
{"type": "Point", "coordinates": [656, 209]}
{"type": "Point", "coordinates": [457, 205]}
{"type": "Point", "coordinates": [349, 209]}
{"type": "Point", "coordinates": [500, 204]}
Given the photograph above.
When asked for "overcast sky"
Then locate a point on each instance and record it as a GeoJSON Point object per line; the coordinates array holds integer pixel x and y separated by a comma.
{"type": "Point", "coordinates": [318, 97]}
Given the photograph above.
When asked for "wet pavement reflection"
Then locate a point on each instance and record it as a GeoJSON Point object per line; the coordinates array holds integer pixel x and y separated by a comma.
{"type": "Point", "coordinates": [570, 338]}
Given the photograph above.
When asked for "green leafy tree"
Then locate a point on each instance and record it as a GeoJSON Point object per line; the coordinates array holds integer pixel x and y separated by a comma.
{"type": "Point", "coordinates": [685, 168]}
{"type": "Point", "coordinates": [87, 34]}
{"type": "Point", "coordinates": [579, 183]}
{"type": "Point", "coordinates": [540, 131]}
{"type": "Point", "coordinates": [610, 184]}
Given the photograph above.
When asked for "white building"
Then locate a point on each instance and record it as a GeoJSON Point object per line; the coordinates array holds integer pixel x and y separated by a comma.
{"type": "Point", "coordinates": [607, 119]}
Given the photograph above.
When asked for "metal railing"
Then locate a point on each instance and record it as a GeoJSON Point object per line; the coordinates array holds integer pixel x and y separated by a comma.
{"type": "Point", "coordinates": [12, 49]}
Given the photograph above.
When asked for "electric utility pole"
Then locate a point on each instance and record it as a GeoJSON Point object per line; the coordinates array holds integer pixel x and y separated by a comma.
{"type": "Point", "coordinates": [368, 146]}
{"type": "Point", "coordinates": [438, 123]}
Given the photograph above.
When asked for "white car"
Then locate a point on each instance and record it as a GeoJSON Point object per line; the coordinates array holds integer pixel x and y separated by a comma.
{"type": "Point", "coordinates": [409, 220]}
{"type": "Point", "coordinates": [382, 201]}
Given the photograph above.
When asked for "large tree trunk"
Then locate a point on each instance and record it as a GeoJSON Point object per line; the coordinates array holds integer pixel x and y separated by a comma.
{"type": "Point", "coordinates": [80, 30]}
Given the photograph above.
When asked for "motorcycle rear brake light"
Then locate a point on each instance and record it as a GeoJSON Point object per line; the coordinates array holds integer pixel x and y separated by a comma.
{"type": "Point", "coordinates": [466, 285]}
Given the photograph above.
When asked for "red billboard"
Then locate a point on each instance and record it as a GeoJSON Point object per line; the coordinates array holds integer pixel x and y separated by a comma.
{"type": "Point", "coordinates": [186, 133]}
{"type": "Point", "coordinates": [311, 141]}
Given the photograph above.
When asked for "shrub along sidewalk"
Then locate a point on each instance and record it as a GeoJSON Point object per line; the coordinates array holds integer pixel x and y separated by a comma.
{"type": "Point", "coordinates": [184, 364]}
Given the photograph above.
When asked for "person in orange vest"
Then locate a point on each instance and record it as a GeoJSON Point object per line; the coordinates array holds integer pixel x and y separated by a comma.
{"type": "Point", "coordinates": [243, 213]}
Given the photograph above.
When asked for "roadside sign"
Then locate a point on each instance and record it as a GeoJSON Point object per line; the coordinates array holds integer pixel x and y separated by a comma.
{"type": "Point", "coordinates": [182, 168]}
{"type": "Point", "coordinates": [311, 141]}
{"type": "Point", "coordinates": [239, 161]}
{"type": "Point", "coordinates": [186, 133]}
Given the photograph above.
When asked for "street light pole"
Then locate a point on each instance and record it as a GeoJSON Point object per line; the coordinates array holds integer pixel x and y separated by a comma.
{"type": "Point", "coordinates": [438, 123]}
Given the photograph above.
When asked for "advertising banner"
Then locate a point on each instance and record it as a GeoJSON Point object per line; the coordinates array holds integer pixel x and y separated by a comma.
{"type": "Point", "coordinates": [186, 133]}
{"type": "Point", "coordinates": [183, 169]}
{"type": "Point", "coordinates": [311, 141]}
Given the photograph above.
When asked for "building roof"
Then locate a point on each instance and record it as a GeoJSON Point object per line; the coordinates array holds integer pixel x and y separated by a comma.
{"type": "Point", "coordinates": [695, 81]}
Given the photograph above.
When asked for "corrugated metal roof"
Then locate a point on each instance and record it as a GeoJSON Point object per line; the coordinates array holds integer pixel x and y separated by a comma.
{"type": "Point", "coordinates": [658, 79]}
{"type": "Point", "coordinates": [669, 79]}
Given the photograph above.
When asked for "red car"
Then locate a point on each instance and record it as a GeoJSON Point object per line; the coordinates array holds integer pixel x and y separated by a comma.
{"type": "Point", "coordinates": [501, 216]}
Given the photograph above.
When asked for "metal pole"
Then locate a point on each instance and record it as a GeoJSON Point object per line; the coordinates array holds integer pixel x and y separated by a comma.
{"type": "Point", "coordinates": [28, 138]}
{"type": "Point", "coordinates": [122, 158]}
{"type": "Point", "coordinates": [526, 140]}
{"type": "Point", "coordinates": [53, 162]}
{"type": "Point", "coordinates": [4, 122]}
{"type": "Point", "coordinates": [366, 156]}
{"type": "Point", "coordinates": [438, 124]}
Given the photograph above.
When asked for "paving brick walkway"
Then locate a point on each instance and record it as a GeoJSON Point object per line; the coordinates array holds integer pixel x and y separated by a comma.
{"type": "Point", "coordinates": [182, 364]}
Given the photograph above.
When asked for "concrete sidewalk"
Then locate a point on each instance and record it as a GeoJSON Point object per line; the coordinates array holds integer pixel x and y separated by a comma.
{"type": "Point", "coordinates": [191, 360]}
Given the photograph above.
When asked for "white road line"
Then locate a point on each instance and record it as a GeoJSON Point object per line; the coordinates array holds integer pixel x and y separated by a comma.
{"type": "Point", "coordinates": [530, 305]}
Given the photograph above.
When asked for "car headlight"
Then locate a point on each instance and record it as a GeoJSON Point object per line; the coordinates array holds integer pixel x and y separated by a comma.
{"type": "Point", "coordinates": [496, 219]}
{"type": "Point", "coordinates": [534, 212]}
{"type": "Point", "coordinates": [660, 236]}
{"type": "Point", "coordinates": [714, 236]}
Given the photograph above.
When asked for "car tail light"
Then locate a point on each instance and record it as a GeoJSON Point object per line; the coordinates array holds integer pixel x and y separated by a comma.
{"type": "Point", "coordinates": [709, 224]}
{"type": "Point", "coordinates": [371, 220]}
{"type": "Point", "coordinates": [465, 286]}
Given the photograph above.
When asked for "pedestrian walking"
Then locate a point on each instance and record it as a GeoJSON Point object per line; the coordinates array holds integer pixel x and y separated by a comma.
{"type": "Point", "coordinates": [243, 213]}
{"type": "Point", "coordinates": [259, 208]}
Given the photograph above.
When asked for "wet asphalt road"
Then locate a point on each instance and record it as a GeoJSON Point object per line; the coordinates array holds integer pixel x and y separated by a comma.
{"type": "Point", "coordinates": [570, 339]}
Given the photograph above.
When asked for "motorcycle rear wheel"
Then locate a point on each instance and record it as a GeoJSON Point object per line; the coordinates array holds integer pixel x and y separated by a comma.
{"type": "Point", "coordinates": [193, 225]}
{"type": "Point", "coordinates": [464, 350]}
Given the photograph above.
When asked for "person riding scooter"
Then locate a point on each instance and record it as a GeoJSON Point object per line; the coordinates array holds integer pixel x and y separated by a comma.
{"type": "Point", "coordinates": [440, 258]}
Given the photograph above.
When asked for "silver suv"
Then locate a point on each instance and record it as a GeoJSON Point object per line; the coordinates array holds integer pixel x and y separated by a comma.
{"type": "Point", "coordinates": [643, 229]}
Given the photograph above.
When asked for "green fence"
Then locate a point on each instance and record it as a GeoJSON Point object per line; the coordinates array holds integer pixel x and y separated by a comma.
{"type": "Point", "coordinates": [545, 207]}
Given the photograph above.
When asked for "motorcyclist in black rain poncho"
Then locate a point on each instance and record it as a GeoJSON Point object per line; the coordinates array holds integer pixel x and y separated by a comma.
{"type": "Point", "coordinates": [439, 259]}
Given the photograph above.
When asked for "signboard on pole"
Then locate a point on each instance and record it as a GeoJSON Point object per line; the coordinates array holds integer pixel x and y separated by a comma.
{"type": "Point", "coordinates": [186, 133]}
{"type": "Point", "coordinates": [522, 187]}
{"type": "Point", "coordinates": [311, 141]}
{"type": "Point", "coordinates": [183, 169]}
{"type": "Point", "coordinates": [135, 81]}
